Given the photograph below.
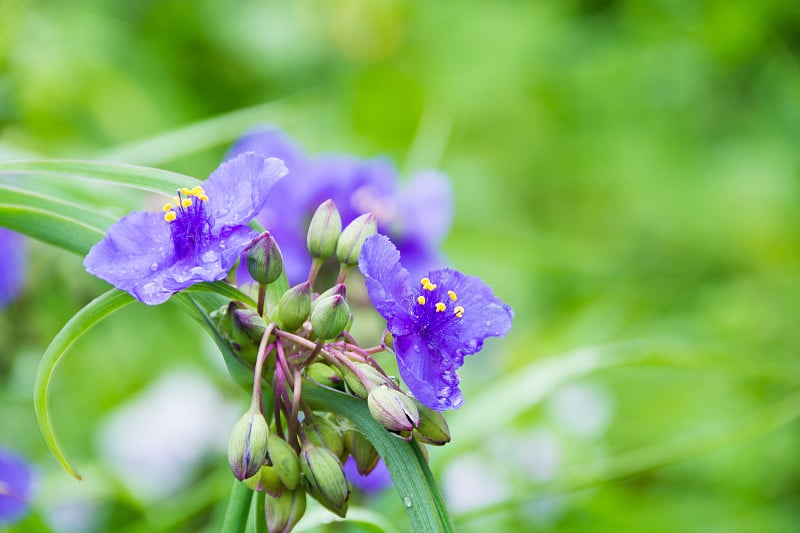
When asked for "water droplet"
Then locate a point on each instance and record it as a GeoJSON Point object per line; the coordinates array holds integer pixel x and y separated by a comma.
{"type": "Point", "coordinates": [407, 502]}
{"type": "Point", "coordinates": [488, 323]}
{"type": "Point", "coordinates": [209, 256]}
{"type": "Point", "coordinates": [416, 347]}
{"type": "Point", "coordinates": [154, 266]}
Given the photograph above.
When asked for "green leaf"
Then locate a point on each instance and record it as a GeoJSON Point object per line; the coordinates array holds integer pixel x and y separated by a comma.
{"type": "Point", "coordinates": [94, 312]}
{"type": "Point", "coordinates": [225, 290]}
{"type": "Point", "coordinates": [146, 178]}
{"type": "Point", "coordinates": [49, 227]}
{"type": "Point", "coordinates": [371, 521]}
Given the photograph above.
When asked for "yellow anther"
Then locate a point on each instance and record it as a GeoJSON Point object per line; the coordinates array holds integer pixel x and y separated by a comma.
{"type": "Point", "coordinates": [427, 285]}
{"type": "Point", "coordinates": [176, 201]}
{"type": "Point", "coordinates": [440, 307]}
{"type": "Point", "coordinates": [186, 191]}
{"type": "Point", "coordinates": [169, 216]}
{"type": "Point", "coordinates": [186, 202]}
{"type": "Point", "coordinates": [197, 191]}
{"type": "Point", "coordinates": [459, 311]}
{"type": "Point", "coordinates": [203, 197]}
{"type": "Point", "coordinates": [166, 207]}
{"type": "Point", "coordinates": [452, 295]}
{"type": "Point", "coordinates": [421, 300]}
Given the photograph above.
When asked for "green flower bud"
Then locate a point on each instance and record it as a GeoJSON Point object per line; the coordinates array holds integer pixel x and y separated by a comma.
{"type": "Point", "coordinates": [339, 289]}
{"type": "Point", "coordinates": [362, 450]}
{"type": "Point", "coordinates": [358, 387]}
{"type": "Point", "coordinates": [325, 375]}
{"type": "Point", "coordinates": [322, 432]}
{"type": "Point", "coordinates": [247, 448]}
{"type": "Point", "coordinates": [329, 317]}
{"type": "Point", "coordinates": [325, 478]}
{"type": "Point", "coordinates": [267, 480]}
{"type": "Point", "coordinates": [294, 307]}
{"type": "Point", "coordinates": [393, 409]}
{"type": "Point", "coordinates": [324, 230]}
{"type": "Point", "coordinates": [353, 236]}
{"type": "Point", "coordinates": [285, 461]}
{"type": "Point", "coordinates": [432, 427]}
{"type": "Point", "coordinates": [285, 511]}
{"type": "Point", "coordinates": [264, 261]}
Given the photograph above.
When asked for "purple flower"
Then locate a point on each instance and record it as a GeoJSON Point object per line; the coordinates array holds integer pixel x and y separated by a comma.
{"type": "Point", "coordinates": [374, 482]}
{"type": "Point", "coordinates": [12, 265]}
{"type": "Point", "coordinates": [417, 217]}
{"type": "Point", "coordinates": [16, 480]}
{"type": "Point", "coordinates": [435, 322]}
{"type": "Point", "coordinates": [197, 238]}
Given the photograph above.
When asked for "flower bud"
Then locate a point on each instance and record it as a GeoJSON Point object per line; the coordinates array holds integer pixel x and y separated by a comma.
{"type": "Point", "coordinates": [324, 230]}
{"type": "Point", "coordinates": [266, 480]}
{"type": "Point", "coordinates": [247, 448]}
{"type": "Point", "coordinates": [393, 409]}
{"type": "Point", "coordinates": [325, 375]}
{"type": "Point", "coordinates": [285, 511]}
{"type": "Point", "coordinates": [362, 450]}
{"type": "Point", "coordinates": [264, 261]}
{"type": "Point", "coordinates": [285, 461]}
{"type": "Point", "coordinates": [339, 289]}
{"type": "Point", "coordinates": [294, 307]}
{"type": "Point", "coordinates": [370, 373]}
{"type": "Point", "coordinates": [353, 236]}
{"type": "Point", "coordinates": [432, 427]}
{"type": "Point", "coordinates": [247, 328]}
{"type": "Point", "coordinates": [322, 432]}
{"type": "Point", "coordinates": [329, 317]}
{"type": "Point", "coordinates": [325, 478]}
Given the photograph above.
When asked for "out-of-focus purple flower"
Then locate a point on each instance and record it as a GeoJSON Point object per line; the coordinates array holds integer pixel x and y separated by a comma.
{"type": "Point", "coordinates": [198, 237]}
{"type": "Point", "coordinates": [12, 265]}
{"type": "Point", "coordinates": [435, 323]}
{"type": "Point", "coordinates": [417, 217]}
{"type": "Point", "coordinates": [372, 483]}
{"type": "Point", "coordinates": [16, 484]}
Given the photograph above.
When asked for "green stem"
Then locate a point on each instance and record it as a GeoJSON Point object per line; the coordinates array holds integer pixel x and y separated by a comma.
{"type": "Point", "coordinates": [238, 508]}
{"type": "Point", "coordinates": [261, 512]}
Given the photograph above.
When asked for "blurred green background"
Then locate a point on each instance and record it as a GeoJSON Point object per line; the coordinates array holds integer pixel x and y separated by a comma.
{"type": "Point", "coordinates": [625, 177]}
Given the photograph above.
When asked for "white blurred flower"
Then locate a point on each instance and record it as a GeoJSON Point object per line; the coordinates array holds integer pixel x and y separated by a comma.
{"type": "Point", "coordinates": [582, 409]}
{"type": "Point", "coordinates": [470, 482]}
{"type": "Point", "coordinates": [154, 441]}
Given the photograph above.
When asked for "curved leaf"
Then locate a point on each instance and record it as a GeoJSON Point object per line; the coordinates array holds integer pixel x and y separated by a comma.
{"type": "Point", "coordinates": [149, 179]}
{"type": "Point", "coordinates": [49, 227]}
{"type": "Point", "coordinates": [94, 312]}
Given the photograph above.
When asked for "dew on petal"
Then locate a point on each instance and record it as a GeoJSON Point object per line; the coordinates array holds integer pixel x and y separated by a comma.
{"type": "Point", "coordinates": [154, 266]}
{"type": "Point", "coordinates": [210, 256]}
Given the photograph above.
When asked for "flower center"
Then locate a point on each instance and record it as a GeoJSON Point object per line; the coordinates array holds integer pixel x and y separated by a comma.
{"type": "Point", "coordinates": [439, 306]}
{"type": "Point", "coordinates": [189, 222]}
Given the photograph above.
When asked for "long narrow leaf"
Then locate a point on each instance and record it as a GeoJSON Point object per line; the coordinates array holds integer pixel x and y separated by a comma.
{"type": "Point", "coordinates": [24, 198]}
{"type": "Point", "coordinates": [150, 179]}
{"type": "Point", "coordinates": [94, 312]}
{"type": "Point", "coordinates": [58, 230]}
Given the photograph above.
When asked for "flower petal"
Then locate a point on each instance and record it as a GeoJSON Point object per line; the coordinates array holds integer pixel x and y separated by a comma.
{"type": "Point", "coordinates": [484, 315]}
{"type": "Point", "coordinates": [239, 188]}
{"type": "Point", "coordinates": [12, 265]}
{"type": "Point", "coordinates": [429, 372]}
{"type": "Point", "coordinates": [134, 253]}
{"type": "Point", "coordinates": [387, 283]}
{"type": "Point", "coordinates": [16, 481]}
{"type": "Point", "coordinates": [426, 207]}
{"type": "Point", "coordinates": [270, 142]}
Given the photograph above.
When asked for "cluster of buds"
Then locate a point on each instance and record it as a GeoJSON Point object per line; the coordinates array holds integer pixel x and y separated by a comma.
{"type": "Point", "coordinates": [281, 446]}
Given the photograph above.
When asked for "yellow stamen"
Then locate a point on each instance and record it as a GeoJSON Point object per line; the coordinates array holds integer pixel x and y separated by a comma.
{"type": "Point", "coordinates": [459, 311]}
{"type": "Point", "coordinates": [169, 216]}
{"type": "Point", "coordinates": [452, 295]}
{"type": "Point", "coordinates": [186, 191]}
{"type": "Point", "coordinates": [198, 191]}
{"type": "Point", "coordinates": [421, 300]}
{"type": "Point", "coordinates": [166, 207]}
{"type": "Point", "coordinates": [440, 307]}
{"type": "Point", "coordinates": [203, 197]}
{"type": "Point", "coordinates": [186, 202]}
{"type": "Point", "coordinates": [427, 285]}
{"type": "Point", "coordinates": [176, 201]}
